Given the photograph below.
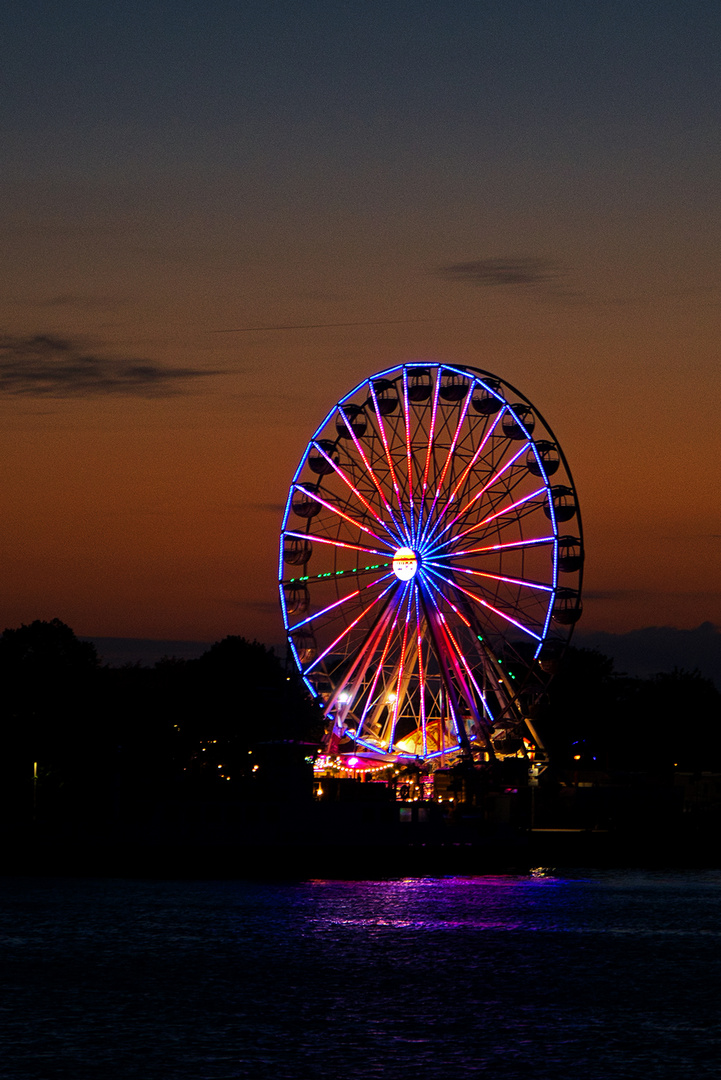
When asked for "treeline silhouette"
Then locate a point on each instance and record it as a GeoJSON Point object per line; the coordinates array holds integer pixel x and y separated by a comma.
{"type": "Point", "coordinates": [79, 738]}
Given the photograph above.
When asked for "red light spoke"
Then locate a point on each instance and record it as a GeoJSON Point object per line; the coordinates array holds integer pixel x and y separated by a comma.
{"type": "Point", "coordinates": [336, 510]}
{"type": "Point", "coordinates": [346, 480]}
{"type": "Point", "coordinates": [431, 432]}
{"type": "Point", "coordinates": [372, 475]}
{"type": "Point", "coordinates": [381, 662]}
{"type": "Point", "coordinates": [363, 658]}
{"type": "Point", "coordinates": [401, 666]}
{"type": "Point", "coordinates": [409, 455]}
{"type": "Point", "coordinates": [492, 517]}
{"type": "Point", "coordinates": [459, 650]}
{"type": "Point", "coordinates": [349, 628]}
{"type": "Point", "coordinates": [499, 577]}
{"type": "Point", "coordinates": [335, 543]}
{"type": "Point", "coordinates": [473, 461]}
{"type": "Point", "coordinates": [335, 604]}
{"type": "Point", "coordinates": [435, 535]}
{"type": "Point", "coordinates": [500, 547]}
{"type": "Point", "coordinates": [421, 671]}
{"type": "Point", "coordinates": [490, 607]}
{"type": "Point", "coordinates": [449, 458]}
{"type": "Point", "coordinates": [389, 460]}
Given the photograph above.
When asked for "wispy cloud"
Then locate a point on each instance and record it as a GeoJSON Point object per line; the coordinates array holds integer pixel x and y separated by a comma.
{"type": "Point", "coordinates": [46, 366]}
{"type": "Point", "coordinates": [504, 272]}
{"type": "Point", "coordinates": [269, 507]}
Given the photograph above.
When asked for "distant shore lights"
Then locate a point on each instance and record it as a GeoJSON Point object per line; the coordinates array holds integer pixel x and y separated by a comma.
{"type": "Point", "coordinates": [405, 564]}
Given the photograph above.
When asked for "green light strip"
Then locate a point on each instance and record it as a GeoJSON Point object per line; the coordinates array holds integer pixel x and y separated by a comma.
{"type": "Point", "coordinates": [338, 573]}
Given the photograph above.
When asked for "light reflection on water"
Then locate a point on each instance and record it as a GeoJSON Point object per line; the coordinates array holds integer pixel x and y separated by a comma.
{"type": "Point", "coordinates": [597, 975]}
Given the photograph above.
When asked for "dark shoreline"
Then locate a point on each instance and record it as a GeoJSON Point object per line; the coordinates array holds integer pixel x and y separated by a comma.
{"type": "Point", "coordinates": [506, 852]}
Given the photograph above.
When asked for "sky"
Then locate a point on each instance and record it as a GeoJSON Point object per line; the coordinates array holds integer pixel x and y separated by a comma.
{"type": "Point", "coordinates": [528, 187]}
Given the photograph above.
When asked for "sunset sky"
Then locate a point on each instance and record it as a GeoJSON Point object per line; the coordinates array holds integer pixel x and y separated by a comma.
{"type": "Point", "coordinates": [531, 187]}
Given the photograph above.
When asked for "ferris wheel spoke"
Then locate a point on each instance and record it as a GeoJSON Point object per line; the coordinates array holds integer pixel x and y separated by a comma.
{"type": "Point", "coordinates": [369, 470]}
{"type": "Point", "coordinates": [489, 607]}
{"type": "Point", "coordinates": [349, 483]}
{"type": "Point", "coordinates": [491, 517]}
{"type": "Point", "coordinates": [409, 453]}
{"type": "Point", "coordinates": [401, 666]}
{"type": "Point", "coordinates": [370, 698]}
{"type": "Point", "coordinates": [351, 626]}
{"type": "Point", "coordinates": [337, 603]}
{"type": "Point", "coordinates": [445, 658]}
{"type": "Point", "coordinates": [429, 449]}
{"type": "Point", "coordinates": [334, 543]}
{"type": "Point", "coordinates": [525, 582]}
{"type": "Point", "coordinates": [449, 458]}
{"type": "Point", "coordinates": [389, 460]}
{"type": "Point", "coordinates": [421, 671]}
{"type": "Point", "coordinates": [479, 450]}
{"type": "Point", "coordinates": [336, 510]}
{"type": "Point", "coordinates": [508, 546]}
{"type": "Point", "coordinates": [459, 651]}
{"type": "Point", "coordinates": [479, 494]}
{"type": "Point", "coordinates": [364, 655]}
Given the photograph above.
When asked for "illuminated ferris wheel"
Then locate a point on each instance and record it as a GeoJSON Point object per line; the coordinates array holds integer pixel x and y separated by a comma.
{"type": "Point", "coordinates": [430, 568]}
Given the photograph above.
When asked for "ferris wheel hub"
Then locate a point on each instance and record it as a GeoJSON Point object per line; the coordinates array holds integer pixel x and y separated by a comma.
{"type": "Point", "coordinates": [405, 564]}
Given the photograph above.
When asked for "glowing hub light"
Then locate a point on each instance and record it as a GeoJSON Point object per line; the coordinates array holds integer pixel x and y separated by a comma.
{"type": "Point", "coordinates": [353, 761]}
{"type": "Point", "coordinates": [405, 564]}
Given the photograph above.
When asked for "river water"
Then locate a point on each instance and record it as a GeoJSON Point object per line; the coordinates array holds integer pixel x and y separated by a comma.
{"type": "Point", "coordinates": [596, 975]}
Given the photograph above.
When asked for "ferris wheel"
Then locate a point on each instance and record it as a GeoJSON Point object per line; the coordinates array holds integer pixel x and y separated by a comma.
{"type": "Point", "coordinates": [430, 567]}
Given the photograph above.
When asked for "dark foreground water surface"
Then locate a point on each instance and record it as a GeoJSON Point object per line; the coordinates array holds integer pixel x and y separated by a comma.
{"type": "Point", "coordinates": [603, 975]}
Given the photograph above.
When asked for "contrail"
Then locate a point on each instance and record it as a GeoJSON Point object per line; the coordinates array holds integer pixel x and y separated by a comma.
{"type": "Point", "coordinates": [329, 325]}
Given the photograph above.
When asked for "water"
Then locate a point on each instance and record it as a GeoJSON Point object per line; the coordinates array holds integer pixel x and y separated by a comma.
{"type": "Point", "coordinates": [597, 976]}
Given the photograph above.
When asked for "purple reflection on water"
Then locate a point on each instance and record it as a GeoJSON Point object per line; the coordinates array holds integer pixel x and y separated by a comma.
{"type": "Point", "coordinates": [607, 975]}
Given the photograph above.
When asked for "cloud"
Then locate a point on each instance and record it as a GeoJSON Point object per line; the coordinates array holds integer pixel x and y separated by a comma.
{"type": "Point", "coordinates": [269, 507]}
{"type": "Point", "coordinates": [505, 271]}
{"type": "Point", "coordinates": [264, 607]}
{"type": "Point", "coordinates": [45, 366]}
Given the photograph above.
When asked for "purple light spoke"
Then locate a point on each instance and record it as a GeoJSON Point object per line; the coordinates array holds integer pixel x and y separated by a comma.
{"type": "Point", "coordinates": [362, 659]}
{"type": "Point", "coordinates": [473, 460]}
{"type": "Point", "coordinates": [401, 667]}
{"type": "Point", "coordinates": [461, 655]}
{"type": "Point", "coordinates": [489, 607]}
{"type": "Point", "coordinates": [349, 627]}
{"type": "Point", "coordinates": [499, 547]}
{"type": "Point", "coordinates": [431, 433]}
{"type": "Point", "coordinates": [335, 543]}
{"type": "Point", "coordinates": [356, 492]}
{"type": "Point", "coordinates": [421, 670]}
{"type": "Point", "coordinates": [495, 577]}
{"type": "Point", "coordinates": [381, 662]}
{"type": "Point", "coordinates": [374, 478]}
{"type": "Point", "coordinates": [489, 519]}
{"type": "Point", "coordinates": [409, 455]}
{"type": "Point", "coordinates": [394, 480]}
{"type": "Point", "coordinates": [335, 604]}
{"type": "Point", "coordinates": [496, 476]}
{"type": "Point", "coordinates": [438, 622]}
{"type": "Point", "coordinates": [449, 458]}
{"type": "Point", "coordinates": [336, 510]}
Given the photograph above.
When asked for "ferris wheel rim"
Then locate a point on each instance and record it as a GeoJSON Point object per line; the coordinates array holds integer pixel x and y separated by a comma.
{"type": "Point", "coordinates": [408, 539]}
